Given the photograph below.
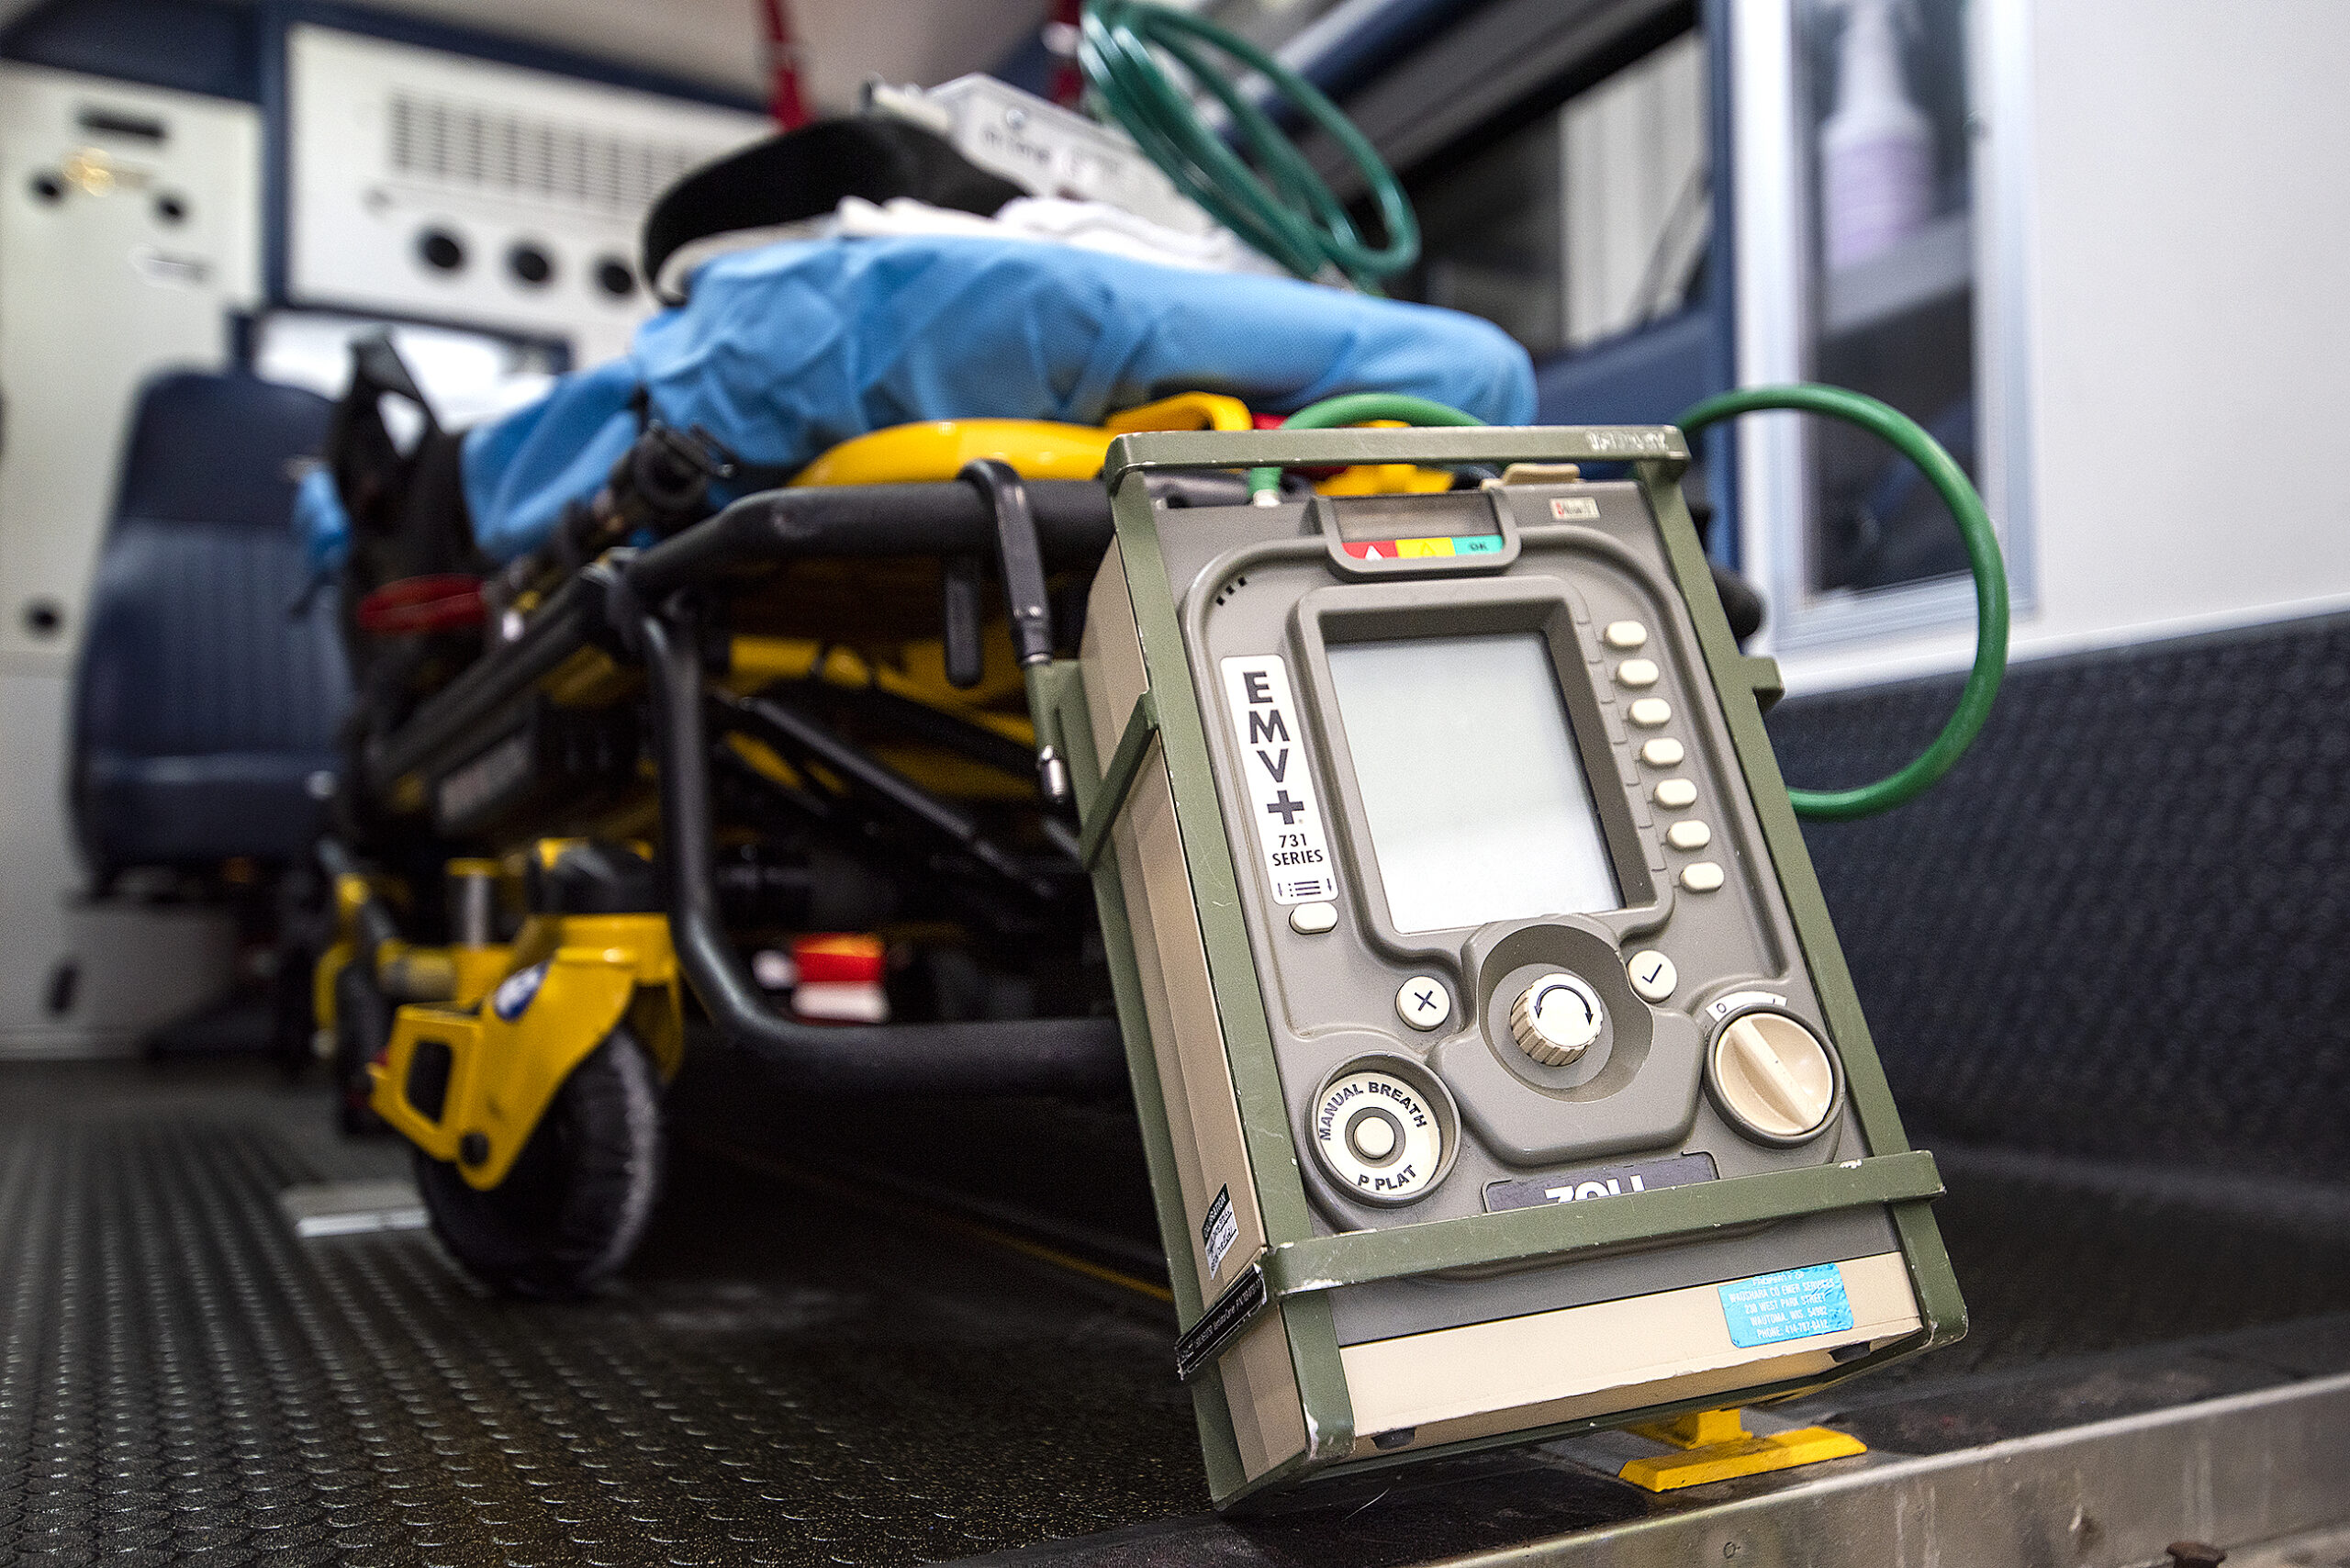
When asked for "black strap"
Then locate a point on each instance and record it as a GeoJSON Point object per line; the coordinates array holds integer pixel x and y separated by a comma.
{"type": "Point", "coordinates": [371, 473]}
{"type": "Point", "coordinates": [376, 367]}
{"type": "Point", "coordinates": [804, 174]}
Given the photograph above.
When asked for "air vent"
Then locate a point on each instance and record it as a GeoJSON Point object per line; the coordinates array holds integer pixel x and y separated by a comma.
{"type": "Point", "coordinates": [426, 185]}
{"type": "Point", "coordinates": [454, 144]}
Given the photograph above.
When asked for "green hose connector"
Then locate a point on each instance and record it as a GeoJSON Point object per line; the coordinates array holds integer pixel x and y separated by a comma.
{"type": "Point", "coordinates": [1982, 541]}
{"type": "Point", "coordinates": [1283, 206]}
{"type": "Point", "coordinates": [1897, 429]}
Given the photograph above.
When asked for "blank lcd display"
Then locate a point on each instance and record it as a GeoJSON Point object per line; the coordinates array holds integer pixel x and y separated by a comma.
{"type": "Point", "coordinates": [1466, 760]}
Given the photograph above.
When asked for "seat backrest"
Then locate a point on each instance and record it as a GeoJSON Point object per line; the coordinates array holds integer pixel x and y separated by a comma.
{"type": "Point", "coordinates": [222, 448]}
{"type": "Point", "coordinates": [203, 705]}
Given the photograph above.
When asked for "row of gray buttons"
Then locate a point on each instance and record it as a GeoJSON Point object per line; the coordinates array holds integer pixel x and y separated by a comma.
{"type": "Point", "coordinates": [1661, 752]}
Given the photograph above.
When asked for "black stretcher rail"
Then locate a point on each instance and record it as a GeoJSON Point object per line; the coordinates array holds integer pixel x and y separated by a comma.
{"type": "Point", "coordinates": [1072, 528]}
{"type": "Point", "coordinates": [768, 529]}
{"type": "Point", "coordinates": [797, 735]}
{"type": "Point", "coordinates": [454, 716]}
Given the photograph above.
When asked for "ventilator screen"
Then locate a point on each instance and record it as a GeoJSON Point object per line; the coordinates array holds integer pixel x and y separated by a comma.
{"type": "Point", "coordinates": [1479, 807]}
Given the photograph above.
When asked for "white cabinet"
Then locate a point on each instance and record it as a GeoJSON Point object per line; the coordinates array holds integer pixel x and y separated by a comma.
{"type": "Point", "coordinates": [130, 220]}
{"type": "Point", "coordinates": [428, 187]}
{"type": "Point", "coordinates": [121, 253]}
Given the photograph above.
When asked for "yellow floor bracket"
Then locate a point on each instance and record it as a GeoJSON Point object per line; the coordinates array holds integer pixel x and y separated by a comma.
{"type": "Point", "coordinates": [1715, 1446]}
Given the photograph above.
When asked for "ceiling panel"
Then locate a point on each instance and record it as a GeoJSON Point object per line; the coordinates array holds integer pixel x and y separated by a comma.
{"type": "Point", "coordinates": [722, 41]}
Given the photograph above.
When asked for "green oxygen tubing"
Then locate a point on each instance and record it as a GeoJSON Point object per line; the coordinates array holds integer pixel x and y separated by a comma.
{"type": "Point", "coordinates": [1290, 213]}
{"type": "Point", "coordinates": [1895, 427]}
{"type": "Point", "coordinates": [1281, 205]}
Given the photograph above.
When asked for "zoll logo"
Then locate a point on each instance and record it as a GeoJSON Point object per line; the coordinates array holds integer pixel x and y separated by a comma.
{"type": "Point", "coordinates": [1614, 1187]}
{"type": "Point", "coordinates": [1614, 1182]}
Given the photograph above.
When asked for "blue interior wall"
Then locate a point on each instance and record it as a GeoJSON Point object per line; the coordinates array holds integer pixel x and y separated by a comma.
{"type": "Point", "coordinates": [1646, 377]}
{"type": "Point", "coordinates": [222, 49]}
{"type": "Point", "coordinates": [193, 46]}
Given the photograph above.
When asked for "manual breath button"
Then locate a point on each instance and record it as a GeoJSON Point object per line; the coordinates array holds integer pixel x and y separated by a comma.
{"type": "Point", "coordinates": [1379, 1136]}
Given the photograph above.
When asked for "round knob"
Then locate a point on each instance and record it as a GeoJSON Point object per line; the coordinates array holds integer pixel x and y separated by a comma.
{"type": "Point", "coordinates": [1555, 1019]}
{"type": "Point", "coordinates": [1773, 1076]}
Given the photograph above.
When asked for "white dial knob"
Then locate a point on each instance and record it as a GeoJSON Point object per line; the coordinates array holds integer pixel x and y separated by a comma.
{"type": "Point", "coordinates": [1773, 1076]}
{"type": "Point", "coordinates": [1557, 1019]}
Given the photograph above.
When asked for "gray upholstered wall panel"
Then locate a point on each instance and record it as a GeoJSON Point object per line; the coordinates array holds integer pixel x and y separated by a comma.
{"type": "Point", "coordinates": [2121, 926]}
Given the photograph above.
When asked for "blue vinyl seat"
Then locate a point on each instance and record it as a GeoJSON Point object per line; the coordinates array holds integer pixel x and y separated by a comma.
{"type": "Point", "coordinates": [205, 710]}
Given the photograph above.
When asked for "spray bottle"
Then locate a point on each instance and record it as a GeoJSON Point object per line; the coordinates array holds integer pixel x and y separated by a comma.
{"type": "Point", "coordinates": [1876, 151]}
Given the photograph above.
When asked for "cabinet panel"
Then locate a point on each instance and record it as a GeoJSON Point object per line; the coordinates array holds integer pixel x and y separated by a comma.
{"type": "Point", "coordinates": [129, 221]}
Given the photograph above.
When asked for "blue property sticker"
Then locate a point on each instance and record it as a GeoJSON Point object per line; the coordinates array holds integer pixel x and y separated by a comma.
{"type": "Point", "coordinates": [1792, 1305]}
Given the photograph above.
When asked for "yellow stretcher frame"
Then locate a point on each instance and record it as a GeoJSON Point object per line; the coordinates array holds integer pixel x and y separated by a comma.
{"type": "Point", "coordinates": [468, 1084]}
{"type": "Point", "coordinates": [936, 451]}
{"type": "Point", "coordinates": [476, 1106]}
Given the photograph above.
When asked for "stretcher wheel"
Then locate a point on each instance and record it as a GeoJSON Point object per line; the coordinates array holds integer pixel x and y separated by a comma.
{"type": "Point", "coordinates": [363, 1023]}
{"type": "Point", "coordinates": [577, 1199]}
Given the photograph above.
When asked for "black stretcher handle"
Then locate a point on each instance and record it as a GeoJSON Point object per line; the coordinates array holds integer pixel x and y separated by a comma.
{"type": "Point", "coordinates": [1024, 599]}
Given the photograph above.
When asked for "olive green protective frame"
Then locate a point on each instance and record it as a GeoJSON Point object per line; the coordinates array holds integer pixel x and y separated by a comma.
{"type": "Point", "coordinates": [1300, 1265]}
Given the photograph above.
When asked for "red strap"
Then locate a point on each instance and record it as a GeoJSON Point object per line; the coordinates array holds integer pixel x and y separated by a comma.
{"type": "Point", "coordinates": [444, 602]}
{"type": "Point", "coordinates": [785, 101]}
{"type": "Point", "coordinates": [1067, 85]}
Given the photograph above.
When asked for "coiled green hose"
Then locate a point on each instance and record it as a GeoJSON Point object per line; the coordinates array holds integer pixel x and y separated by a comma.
{"type": "Point", "coordinates": [1904, 434]}
{"type": "Point", "coordinates": [1950, 481]}
{"type": "Point", "coordinates": [1288, 211]}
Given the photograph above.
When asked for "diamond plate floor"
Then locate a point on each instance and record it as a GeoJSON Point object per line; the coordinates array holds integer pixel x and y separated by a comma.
{"type": "Point", "coordinates": [781, 1381]}
{"type": "Point", "coordinates": [809, 1370]}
